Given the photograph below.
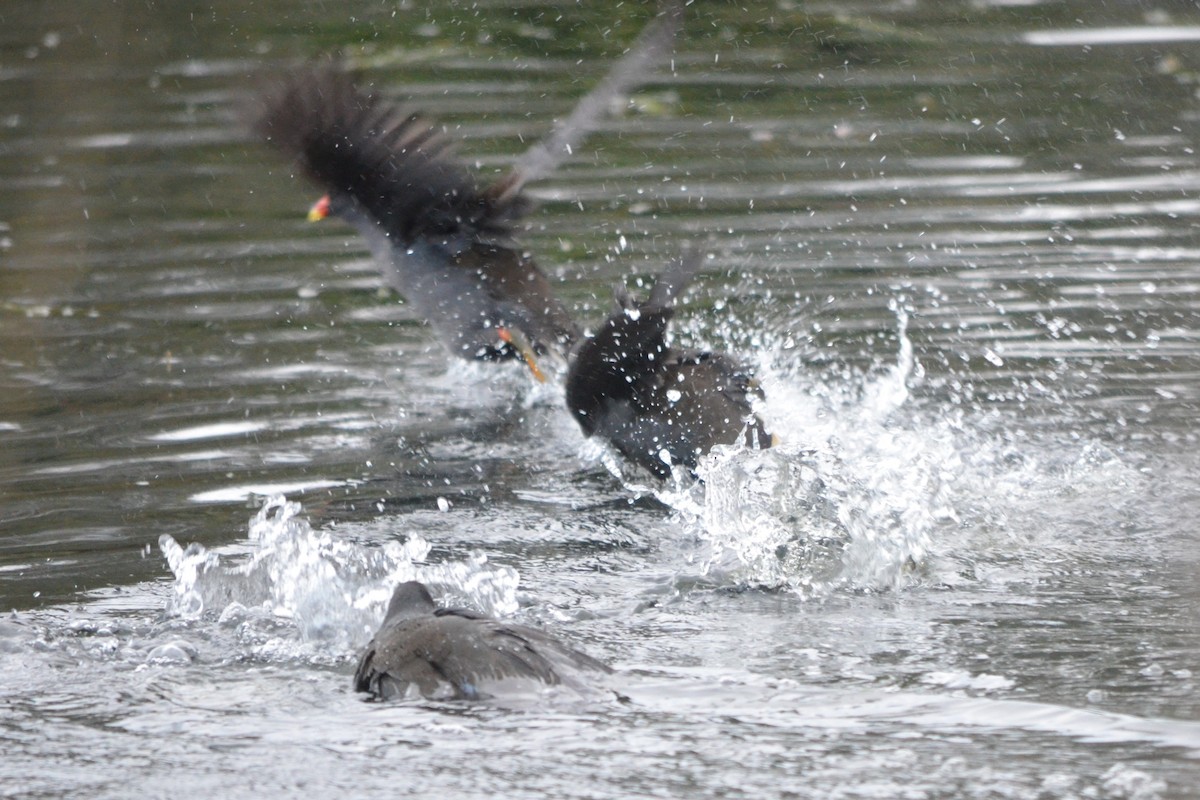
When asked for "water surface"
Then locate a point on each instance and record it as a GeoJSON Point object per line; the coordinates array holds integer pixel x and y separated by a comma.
{"type": "Point", "coordinates": [956, 240]}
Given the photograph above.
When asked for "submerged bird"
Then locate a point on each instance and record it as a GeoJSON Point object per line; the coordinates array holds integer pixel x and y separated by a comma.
{"type": "Point", "coordinates": [657, 405]}
{"type": "Point", "coordinates": [442, 241]}
{"type": "Point", "coordinates": [451, 653]}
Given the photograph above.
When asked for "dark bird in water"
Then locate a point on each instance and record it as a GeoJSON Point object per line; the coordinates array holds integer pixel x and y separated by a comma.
{"type": "Point", "coordinates": [453, 653]}
{"type": "Point", "coordinates": [657, 405]}
{"type": "Point", "coordinates": [441, 240]}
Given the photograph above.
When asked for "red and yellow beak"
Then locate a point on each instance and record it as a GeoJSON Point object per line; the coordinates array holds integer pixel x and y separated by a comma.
{"type": "Point", "coordinates": [516, 339]}
{"type": "Point", "coordinates": [319, 210]}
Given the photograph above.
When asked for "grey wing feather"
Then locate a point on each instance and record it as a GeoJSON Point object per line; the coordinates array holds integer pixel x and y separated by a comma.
{"type": "Point", "coordinates": [544, 157]}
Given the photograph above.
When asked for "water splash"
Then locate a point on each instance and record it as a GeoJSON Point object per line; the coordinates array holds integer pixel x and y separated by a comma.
{"type": "Point", "coordinates": [851, 496]}
{"type": "Point", "coordinates": [332, 590]}
{"type": "Point", "coordinates": [868, 490]}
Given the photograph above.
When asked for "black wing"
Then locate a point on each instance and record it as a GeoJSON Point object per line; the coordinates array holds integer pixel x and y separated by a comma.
{"type": "Point", "coordinates": [394, 163]}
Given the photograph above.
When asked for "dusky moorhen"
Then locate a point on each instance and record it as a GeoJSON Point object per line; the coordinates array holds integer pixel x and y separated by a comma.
{"type": "Point", "coordinates": [657, 405]}
{"type": "Point", "coordinates": [440, 240]}
{"type": "Point", "coordinates": [456, 654]}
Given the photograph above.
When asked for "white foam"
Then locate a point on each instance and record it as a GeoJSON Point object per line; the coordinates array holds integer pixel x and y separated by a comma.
{"type": "Point", "coordinates": [332, 590]}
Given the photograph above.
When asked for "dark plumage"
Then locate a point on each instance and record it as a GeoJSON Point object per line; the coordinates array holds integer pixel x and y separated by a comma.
{"type": "Point", "coordinates": [657, 405]}
{"type": "Point", "coordinates": [451, 653]}
{"type": "Point", "coordinates": [440, 240]}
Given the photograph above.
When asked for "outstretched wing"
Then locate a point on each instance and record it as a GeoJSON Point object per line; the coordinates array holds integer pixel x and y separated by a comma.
{"type": "Point", "coordinates": [394, 163]}
{"type": "Point", "coordinates": [541, 159]}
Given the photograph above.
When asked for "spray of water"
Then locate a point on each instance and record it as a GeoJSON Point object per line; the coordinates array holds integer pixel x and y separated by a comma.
{"type": "Point", "coordinates": [851, 496]}
{"type": "Point", "coordinates": [332, 590]}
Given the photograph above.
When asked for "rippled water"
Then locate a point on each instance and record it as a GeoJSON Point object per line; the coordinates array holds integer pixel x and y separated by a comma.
{"type": "Point", "coordinates": [956, 240]}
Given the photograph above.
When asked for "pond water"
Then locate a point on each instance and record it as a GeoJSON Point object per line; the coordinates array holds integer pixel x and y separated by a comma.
{"type": "Point", "coordinates": [957, 241]}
